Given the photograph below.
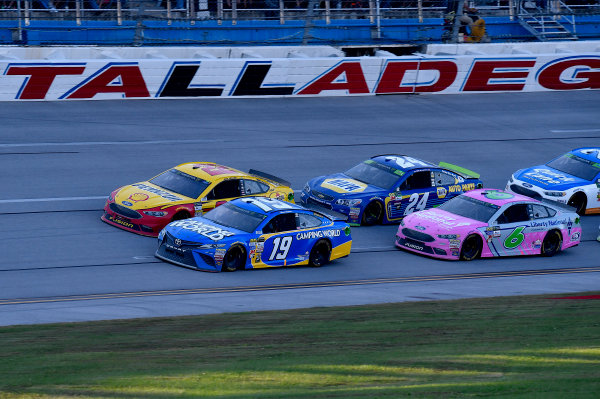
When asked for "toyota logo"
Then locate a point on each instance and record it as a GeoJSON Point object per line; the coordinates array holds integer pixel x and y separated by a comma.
{"type": "Point", "coordinates": [178, 242]}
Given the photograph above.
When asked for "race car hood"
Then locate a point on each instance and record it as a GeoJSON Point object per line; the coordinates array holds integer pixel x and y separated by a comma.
{"type": "Point", "coordinates": [339, 185]}
{"type": "Point", "coordinates": [145, 195]}
{"type": "Point", "coordinates": [548, 178]}
{"type": "Point", "coordinates": [436, 221]}
{"type": "Point", "coordinates": [201, 230]}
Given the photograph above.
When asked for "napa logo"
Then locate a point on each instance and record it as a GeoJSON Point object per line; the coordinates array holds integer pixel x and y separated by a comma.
{"type": "Point", "coordinates": [344, 185]}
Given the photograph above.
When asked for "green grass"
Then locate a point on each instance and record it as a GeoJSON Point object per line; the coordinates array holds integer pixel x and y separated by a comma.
{"type": "Point", "coordinates": [514, 347]}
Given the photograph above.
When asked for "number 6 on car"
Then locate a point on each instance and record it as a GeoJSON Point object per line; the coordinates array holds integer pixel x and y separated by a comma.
{"type": "Point", "coordinates": [490, 223]}
{"type": "Point", "coordinates": [252, 233]}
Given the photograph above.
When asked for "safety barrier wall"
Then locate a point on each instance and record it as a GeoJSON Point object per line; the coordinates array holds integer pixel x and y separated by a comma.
{"type": "Point", "coordinates": [324, 76]}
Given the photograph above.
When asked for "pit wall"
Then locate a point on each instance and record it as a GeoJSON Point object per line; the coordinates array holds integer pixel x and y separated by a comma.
{"type": "Point", "coordinates": [103, 73]}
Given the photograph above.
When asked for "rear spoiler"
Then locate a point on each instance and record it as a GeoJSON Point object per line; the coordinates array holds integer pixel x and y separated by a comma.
{"type": "Point", "coordinates": [464, 172]}
{"type": "Point", "coordinates": [328, 213]}
{"type": "Point", "coordinates": [267, 176]}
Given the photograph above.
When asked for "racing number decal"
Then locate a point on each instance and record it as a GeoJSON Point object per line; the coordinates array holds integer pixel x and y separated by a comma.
{"type": "Point", "coordinates": [281, 246]}
{"type": "Point", "coordinates": [267, 205]}
{"type": "Point", "coordinates": [515, 238]}
{"type": "Point", "coordinates": [214, 170]}
{"type": "Point", "coordinates": [413, 205]}
{"type": "Point", "coordinates": [407, 162]}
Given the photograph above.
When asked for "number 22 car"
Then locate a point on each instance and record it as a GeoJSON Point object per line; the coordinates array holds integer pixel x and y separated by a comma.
{"type": "Point", "coordinates": [490, 223]}
{"type": "Point", "coordinates": [253, 233]}
{"type": "Point", "coordinates": [386, 188]}
{"type": "Point", "coordinates": [184, 191]}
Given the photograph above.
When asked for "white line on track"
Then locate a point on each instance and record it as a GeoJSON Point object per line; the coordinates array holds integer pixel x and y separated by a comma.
{"type": "Point", "coordinates": [576, 131]}
{"type": "Point", "coordinates": [22, 200]}
{"type": "Point", "coordinates": [84, 143]}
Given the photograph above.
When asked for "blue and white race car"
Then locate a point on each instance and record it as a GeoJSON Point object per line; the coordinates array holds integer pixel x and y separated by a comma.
{"type": "Point", "coordinates": [252, 233]}
{"type": "Point", "coordinates": [572, 178]}
{"type": "Point", "coordinates": [386, 188]}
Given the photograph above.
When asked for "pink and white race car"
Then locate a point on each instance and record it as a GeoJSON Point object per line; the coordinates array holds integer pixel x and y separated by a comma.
{"type": "Point", "coordinates": [487, 223]}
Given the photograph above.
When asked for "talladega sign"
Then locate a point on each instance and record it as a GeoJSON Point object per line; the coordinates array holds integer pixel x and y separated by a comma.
{"type": "Point", "coordinates": [102, 79]}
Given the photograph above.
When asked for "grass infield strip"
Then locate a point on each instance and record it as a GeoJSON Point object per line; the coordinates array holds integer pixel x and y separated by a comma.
{"type": "Point", "coordinates": [512, 347]}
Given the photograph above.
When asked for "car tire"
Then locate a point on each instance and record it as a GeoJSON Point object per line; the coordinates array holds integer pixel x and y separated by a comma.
{"type": "Point", "coordinates": [234, 259]}
{"type": "Point", "coordinates": [471, 247]}
{"type": "Point", "coordinates": [320, 254]}
{"type": "Point", "coordinates": [579, 202]}
{"type": "Point", "coordinates": [552, 243]}
{"type": "Point", "coordinates": [372, 214]}
{"type": "Point", "coordinates": [180, 216]}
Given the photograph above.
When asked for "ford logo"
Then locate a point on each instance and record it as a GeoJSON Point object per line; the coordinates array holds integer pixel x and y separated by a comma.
{"type": "Point", "coordinates": [420, 228]}
{"type": "Point", "coordinates": [127, 203]}
{"type": "Point", "coordinates": [527, 185]}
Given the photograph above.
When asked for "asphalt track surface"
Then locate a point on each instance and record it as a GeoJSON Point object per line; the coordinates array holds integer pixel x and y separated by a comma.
{"type": "Point", "coordinates": [59, 160]}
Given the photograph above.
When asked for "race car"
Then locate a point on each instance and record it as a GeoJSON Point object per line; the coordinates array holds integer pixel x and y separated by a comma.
{"type": "Point", "coordinates": [490, 223]}
{"type": "Point", "coordinates": [572, 178]}
{"type": "Point", "coordinates": [184, 191]}
{"type": "Point", "coordinates": [254, 233]}
{"type": "Point", "coordinates": [386, 188]}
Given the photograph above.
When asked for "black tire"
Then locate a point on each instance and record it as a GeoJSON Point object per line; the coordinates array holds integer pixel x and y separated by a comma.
{"type": "Point", "coordinates": [471, 247]}
{"type": "Point", "coordinates": [320, 254]}
{"type": "Point", "coordinates": [552, 243]}
{"type": "Point", "coordinates": [372, 214]}
{"type": "Point", "coordinates": [579, 202]}
{"type": "Point", "coordinates": [180, 216]}
{"type": "Point", "coordinates": [234, 259]}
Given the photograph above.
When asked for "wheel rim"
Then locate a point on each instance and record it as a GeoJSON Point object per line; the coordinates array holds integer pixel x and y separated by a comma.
{"type": "Point", "coordinates": [232, 260]}
{"type": "Point", "coordinates": [551, 244]}
{"type": "Point", "coordinates": [320, 255]}
{"type": "Point", "coordinates": [372, 213]}
{"type": "Point", "coordinates": [470, 248]}
{"type": "Point", "coordinates": [579, 205]}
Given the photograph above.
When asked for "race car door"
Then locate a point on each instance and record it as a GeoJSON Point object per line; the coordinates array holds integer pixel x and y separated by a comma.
{"type": "Point", "coordinates": [446, 187]}
{"type": "Point", "coordinates": [508, 238]}
{"type": "Point", "coordinates": [417, 193]}
{"type": "Point", "coordinates": [221, 193]}
{"type": "Point", "coordinates": [283, 246]}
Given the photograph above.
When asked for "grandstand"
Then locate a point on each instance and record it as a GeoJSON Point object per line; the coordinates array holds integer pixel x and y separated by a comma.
{"type": "Point", "coordinates": [290, 22]}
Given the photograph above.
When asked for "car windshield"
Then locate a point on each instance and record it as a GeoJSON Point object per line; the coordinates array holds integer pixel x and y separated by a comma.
{"type": "Point", "coordinates": [181, 183]}
{"type": "Point", "coordinates": [232, 216]}
{"type": "Point", "coordinates": [470, 208]}
{"type": "Point", "coordinates": [373, 173]}
{"type": "Point", "coordinates": [575, 166]}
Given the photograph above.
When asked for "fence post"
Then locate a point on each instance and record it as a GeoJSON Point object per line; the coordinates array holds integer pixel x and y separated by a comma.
{"type": "Point", "coordinates": [78, 11]}
{"type": "Point", "coordinates": [327, 12]}
{"type": "Point", "coordinates": [420, 8]}
{"type": "Point", "coordinates": [233, 12]}
{"type": "Point", "coordinates": [219, 12]}
{"type": "Point", "coordinates": [371, 11]}
{"type": "Point", "coordinates": [281, 13]}
{"type": "Point", "coordinates": [119, 13]}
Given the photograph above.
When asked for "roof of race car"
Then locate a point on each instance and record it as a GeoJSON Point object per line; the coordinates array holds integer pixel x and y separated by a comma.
{"type": "Point", "coordinates": [264, 205]}
{"type": "Point", "coordinates": [402, 162]}
{"type": "Point", "coordinates": [588, 153]}
{"type": "Point", "coordinates": [497, 197]}
{"type": "Point", "coordinates": [209, 171]}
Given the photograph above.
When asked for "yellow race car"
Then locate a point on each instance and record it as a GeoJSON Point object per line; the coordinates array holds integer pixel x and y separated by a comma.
{"type": "Point", "coordinates": [187, 190]}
